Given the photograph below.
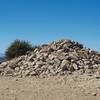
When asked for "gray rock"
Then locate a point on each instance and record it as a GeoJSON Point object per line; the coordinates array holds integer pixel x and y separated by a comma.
{"type": "Point", "coordinates": [57, 58]}
{"type": "Point", "coordinates": [75, 66]}
{"type": "Point", "coordinates": [3, 64]}
{"type": "Point", "coordinates": [27, 72]}
{"type": "Point", "coordinates": [8, 71]}
{"type": "Point", "coordinates": [17, 69]}
{"type": "Point", "coordinates": [33, 73]}
{"type": "Point", "coordinates": [64, 63]}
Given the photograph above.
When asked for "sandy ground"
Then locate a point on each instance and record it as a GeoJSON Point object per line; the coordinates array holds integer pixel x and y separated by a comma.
{"type": "Point", "coordinates": [71, 87]}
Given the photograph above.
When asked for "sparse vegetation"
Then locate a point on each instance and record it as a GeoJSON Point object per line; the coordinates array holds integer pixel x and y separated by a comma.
{"type": "Point", "coordinates": [18, 48]}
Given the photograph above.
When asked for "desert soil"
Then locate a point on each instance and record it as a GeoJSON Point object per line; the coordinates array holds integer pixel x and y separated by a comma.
{"type": "Point", "coordinates": [72, 87]}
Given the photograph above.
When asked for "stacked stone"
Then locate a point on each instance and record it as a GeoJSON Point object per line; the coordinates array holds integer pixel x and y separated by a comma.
{"type": "Point", "coordinates": [57, 58]}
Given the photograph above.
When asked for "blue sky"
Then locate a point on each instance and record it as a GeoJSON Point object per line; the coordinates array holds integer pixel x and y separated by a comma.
{"type": "Point", "coordinates": [41, 21]}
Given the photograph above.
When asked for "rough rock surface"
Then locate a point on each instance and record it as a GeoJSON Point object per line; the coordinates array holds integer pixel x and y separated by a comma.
{"type": "Point", "coordinates": [57, 58]}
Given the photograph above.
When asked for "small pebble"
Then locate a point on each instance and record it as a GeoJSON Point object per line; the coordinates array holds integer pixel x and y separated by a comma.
{"type": "Point", "coordinates": [94, 94]}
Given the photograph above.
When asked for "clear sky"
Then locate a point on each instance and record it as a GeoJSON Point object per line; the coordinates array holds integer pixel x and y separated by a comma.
{"type": "Point", "coordinates": [41, 21]}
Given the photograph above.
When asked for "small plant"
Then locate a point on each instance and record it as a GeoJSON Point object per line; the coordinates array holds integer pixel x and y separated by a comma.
{"type": "Point", "coordinates": [18, 48]}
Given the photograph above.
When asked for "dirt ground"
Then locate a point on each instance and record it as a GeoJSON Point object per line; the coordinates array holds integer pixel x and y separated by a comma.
{"type": "Point", "coordinates": [72, 87]}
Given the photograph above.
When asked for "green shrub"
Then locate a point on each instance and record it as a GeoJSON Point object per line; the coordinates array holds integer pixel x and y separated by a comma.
{"type": "Point", "coordinates": [18, 48]}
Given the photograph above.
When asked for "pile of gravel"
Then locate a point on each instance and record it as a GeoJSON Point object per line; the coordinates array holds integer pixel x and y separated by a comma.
{"type": "Point", "coordinates": [57, 58]}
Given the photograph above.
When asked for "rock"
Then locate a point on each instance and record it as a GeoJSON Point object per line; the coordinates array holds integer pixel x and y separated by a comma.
{"type": "Point", "coordinates": [38, 64]}
{"type": "Point", "coordinates": [33, 73]}
{"type": "Point", "coordinates": [71, 68]}
{"type": "Point", "coordinates": [52, 71]}
{"type": "Point", "coordinates": [56, 58]}
{"type": "Point", "coordinates": [27, 72]}
{"type": "Point", "coordinates": [60, 51]}
{"type": "Point", "coordinates": [17, 69]}
{"type": "Point", "coordinates": [65, 62]}
{"type": "Point", "coordinates": [3, 64]}
{"type": "Point", "coordinates": [31, 57]}
{"type": "Point", "coordinates": [8, 71]}
{"type": "Point", "coordinates": [87, 62]}
{"type": "Point", "coordinates": [22, 67]}
{"type": "Point", "coordinates": [75, 66]}
{"type": "Point", "coordinates": [51, 57]}
{"type": "Point", "coordinates": [57, 61]}
{"type": "Point", "coordinates": [86, 66]}
{"type": "Point", "coordinates": [64, 68]}
{"type": "Point", "coordinates": [94, 94]}
{"type": "Point", "coordinates": [64, 65]}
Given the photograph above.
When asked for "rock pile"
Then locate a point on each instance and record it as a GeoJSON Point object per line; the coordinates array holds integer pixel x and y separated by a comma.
{"type": "Point", "coordinates": [56, 58]}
